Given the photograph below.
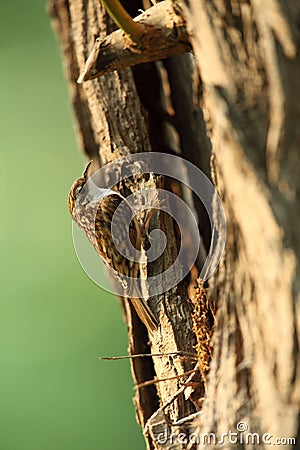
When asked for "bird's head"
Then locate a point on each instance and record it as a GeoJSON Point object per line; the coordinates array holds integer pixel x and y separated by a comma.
{"type": "Point", "coordinates": [76, 189]}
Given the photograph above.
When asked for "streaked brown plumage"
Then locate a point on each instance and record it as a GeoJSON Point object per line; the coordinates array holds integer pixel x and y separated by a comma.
{"type": "Point", "coordinates": [94, 217]}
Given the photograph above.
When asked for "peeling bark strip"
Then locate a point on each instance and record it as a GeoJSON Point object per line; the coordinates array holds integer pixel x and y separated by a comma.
{"type": "Point", "coordinates": [164, 35]}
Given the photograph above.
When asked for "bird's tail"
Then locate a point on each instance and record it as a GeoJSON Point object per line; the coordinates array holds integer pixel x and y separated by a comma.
{"type": "Point", "coordinates": [145, 314]}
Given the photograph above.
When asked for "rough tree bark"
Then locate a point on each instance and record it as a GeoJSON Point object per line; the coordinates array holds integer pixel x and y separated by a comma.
{"type": "Point", "coordinates": [239, 105]}
{"type": "Point", "coordinates": [248, 60]}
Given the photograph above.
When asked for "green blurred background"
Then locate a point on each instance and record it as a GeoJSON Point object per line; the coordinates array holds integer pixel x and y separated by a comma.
{"type": "Point", "coordinates": [55, 322]}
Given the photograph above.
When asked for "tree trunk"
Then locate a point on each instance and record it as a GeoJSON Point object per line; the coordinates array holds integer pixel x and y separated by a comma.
{"type": "Point", "coordinates": [237, 104]}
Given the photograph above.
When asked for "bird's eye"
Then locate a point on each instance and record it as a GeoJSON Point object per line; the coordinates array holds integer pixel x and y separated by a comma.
{"type": "Point", "coordinates": [78, 190]}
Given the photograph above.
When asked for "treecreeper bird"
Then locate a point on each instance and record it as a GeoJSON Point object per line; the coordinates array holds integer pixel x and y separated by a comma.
{"type": "Point", "coordinates": [94, 214]}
